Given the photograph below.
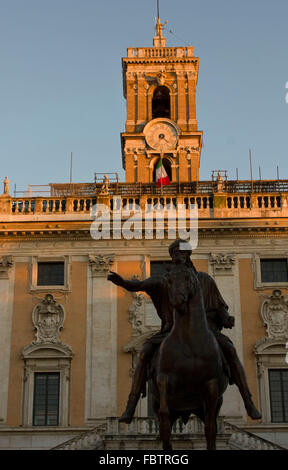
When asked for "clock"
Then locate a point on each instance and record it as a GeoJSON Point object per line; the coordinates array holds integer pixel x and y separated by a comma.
{"type": "Point", "coordinates": [161, 134]}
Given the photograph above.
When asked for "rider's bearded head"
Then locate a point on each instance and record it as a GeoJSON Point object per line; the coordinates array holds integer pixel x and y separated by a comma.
{"type": "Point", "coordinates": [180, 251]}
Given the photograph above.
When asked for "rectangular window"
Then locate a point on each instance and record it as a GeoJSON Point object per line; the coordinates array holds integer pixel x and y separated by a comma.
{"type": "Point", "coordinates": [274, 270]}
{"type": "Point", "coordinates": [278, 385]}
{"type": "Point", "coordinates": [46, 399]}
{"type": "Point", "coordinates": [50, 273]}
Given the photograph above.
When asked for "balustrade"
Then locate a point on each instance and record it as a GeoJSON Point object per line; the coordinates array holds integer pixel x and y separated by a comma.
{"type": "Point", "coordinates": [239, 202]}
{"type": "Point", "coordinates": [153, 202]}
{"type": "Point", "coordinates": [235, 437]}
{"type": "Point", "coordinates": [148, 426]}
{"type": "Point", "coordinates": [158, 52]}
{"type": "Point", "coordinates": [161, 203]}
{"type": "Point", "coordinates": [260, 202]}
{"type": "Point", "coordinates": [202, 202]}
{"type": "Point", "coordinates": [269, 202]}
{"type": "Point", "coordinates": [52, 205]}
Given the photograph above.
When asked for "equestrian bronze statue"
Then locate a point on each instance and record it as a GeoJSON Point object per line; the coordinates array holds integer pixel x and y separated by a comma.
{"type": "Point", "coordinates": [195, 361]}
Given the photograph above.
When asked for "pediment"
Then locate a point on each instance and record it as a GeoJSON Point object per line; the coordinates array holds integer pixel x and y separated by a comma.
{"type": "Point", "coordinates": [44, 350]}
{"type": "Point", "coordinates": [270, 346]}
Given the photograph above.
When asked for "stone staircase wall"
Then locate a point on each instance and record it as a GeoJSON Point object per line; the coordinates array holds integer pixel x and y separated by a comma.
{"type": "Point", "coordinates": [142, 434]}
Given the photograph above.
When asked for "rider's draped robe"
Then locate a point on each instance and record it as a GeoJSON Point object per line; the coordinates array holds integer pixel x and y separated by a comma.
{"type": "Point", "coordinates": [215, 307]}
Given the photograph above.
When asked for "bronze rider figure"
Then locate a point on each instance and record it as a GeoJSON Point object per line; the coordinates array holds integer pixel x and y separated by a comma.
{"type": "Point", "coordinates": [217, 316]}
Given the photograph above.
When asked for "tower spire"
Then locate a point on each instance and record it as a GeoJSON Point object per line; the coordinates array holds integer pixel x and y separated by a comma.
{"type": "Point", "coordinates": [159, 40]}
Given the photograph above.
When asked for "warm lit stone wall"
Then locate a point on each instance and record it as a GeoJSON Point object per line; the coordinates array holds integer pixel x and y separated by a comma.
{"type": "Point", "coordinates": [98, 325]}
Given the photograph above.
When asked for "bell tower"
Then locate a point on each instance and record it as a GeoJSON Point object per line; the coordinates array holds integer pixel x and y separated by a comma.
{"type": "Point", "coordinates": [159, 85]}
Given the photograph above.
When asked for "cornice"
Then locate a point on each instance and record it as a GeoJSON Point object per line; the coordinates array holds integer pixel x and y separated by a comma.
{"type": "Point", "coordinates": [161, 60]}
{"type": "Point", "coordinates": [84, 234]}
{"type": "Point", "coordinates": [69, 230]}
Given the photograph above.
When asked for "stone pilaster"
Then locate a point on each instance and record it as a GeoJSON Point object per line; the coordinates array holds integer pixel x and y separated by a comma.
{"type": "Point", "coordinates": [181, 114]}
{"type": "Point", "coordinates": [6, 305]}
{"type": "Point", "coordinates": [224, 269]}
{"type": "Point", "coordinates": [191, 82]}
{"type": "Point", "coordinates": [101, 345]}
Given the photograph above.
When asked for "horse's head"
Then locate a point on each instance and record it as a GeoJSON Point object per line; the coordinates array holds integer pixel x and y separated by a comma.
{"type": "Point", "coordinates": [182, 284]}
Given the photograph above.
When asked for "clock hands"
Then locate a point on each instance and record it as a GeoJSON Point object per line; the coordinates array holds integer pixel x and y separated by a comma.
{"type": "Point", "coordinates": [162, 137]}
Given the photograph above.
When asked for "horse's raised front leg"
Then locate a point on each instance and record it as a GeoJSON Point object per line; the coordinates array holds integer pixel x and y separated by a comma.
{"type": "Point", "coordinates": [164, 421]}
{"type": "Point", "coordinates": [211, 411]}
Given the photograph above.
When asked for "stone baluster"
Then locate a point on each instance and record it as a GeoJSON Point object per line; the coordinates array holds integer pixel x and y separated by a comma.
{"type": "Point", "coordinates": [38, 206]}
{"type": "Point", "coordinates": [69, 204]}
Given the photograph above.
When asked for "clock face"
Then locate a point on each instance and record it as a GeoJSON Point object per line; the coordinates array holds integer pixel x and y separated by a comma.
{"type": "Point", "coordinates": [161, 136]}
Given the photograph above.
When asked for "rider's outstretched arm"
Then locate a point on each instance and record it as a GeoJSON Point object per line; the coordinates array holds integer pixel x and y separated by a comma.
{"type": "Point", "coordinates": [153, 286]}
{"type": "Point", "coordinates": [133, 285]}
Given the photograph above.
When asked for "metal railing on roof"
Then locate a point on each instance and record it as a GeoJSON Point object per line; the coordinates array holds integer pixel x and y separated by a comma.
{"type": "Point", "coordinates": [139, 189]}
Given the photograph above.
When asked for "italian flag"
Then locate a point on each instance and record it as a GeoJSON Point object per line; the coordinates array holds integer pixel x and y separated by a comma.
{"type": "Point", "coordinates": [161, 176]}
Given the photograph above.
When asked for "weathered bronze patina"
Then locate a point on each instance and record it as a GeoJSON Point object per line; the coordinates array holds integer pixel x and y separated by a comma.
{"type": "Point", "coordinates": [195, 361]}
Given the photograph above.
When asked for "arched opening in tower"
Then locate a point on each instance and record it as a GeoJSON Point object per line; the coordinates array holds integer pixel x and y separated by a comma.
{"type": "Point", "coordinates": [161, 102]}
{"type": "Point", "coordinates": [162, 173]}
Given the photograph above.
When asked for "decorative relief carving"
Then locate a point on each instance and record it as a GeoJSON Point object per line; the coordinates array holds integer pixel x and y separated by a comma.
{"type": "Point", "coordinates": [45, 352]}
{"type": "Point", "coordinates": [274, 312]}
{"type": "Point", "coordinates": [161, 77]}
{"type": "Point", "coordinates": [260, 368]}
{"type": "Point", "coordinates": [101, 264]}
{"type": "Point", "coordinates": [48, 320]}
{"type": "Point", "coordinates": [222, 262]}
{"type": "Point", "coordinates": [140, 150]}
{"type": "Point", "coordinates": [136, 317]}
{"type": "Point", "coordinates": [190, 148]}
{"type": "Point", "coordinates": [270, 350]}
{"type": "Point", "coordinates": [140, 316]}
{"type": "Point", "coordinates": [6, 262]}
{"type": "Point", "coordinates": [191, 73]}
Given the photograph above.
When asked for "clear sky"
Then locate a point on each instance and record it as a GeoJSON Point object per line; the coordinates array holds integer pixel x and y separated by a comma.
{"type": "Point", "coordinates": [61, 83]}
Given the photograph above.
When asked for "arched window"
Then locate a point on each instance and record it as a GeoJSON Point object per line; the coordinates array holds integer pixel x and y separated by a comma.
{"type": "Point", "coordinates": [161, 102]}
{"type": "Point", "coordinates": [167, 166]}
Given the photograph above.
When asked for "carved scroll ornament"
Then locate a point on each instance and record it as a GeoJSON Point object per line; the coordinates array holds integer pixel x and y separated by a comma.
{"type": "Point", "coordinates": [274, 312]}
{"type": "Point", "coordinates": [48, 319]}
{"type": "Point", "coordinates": [222, 262]}
{"type": "Point", "coordinates": [101, 264]}
{"type": "Point", "coordinates": [6, 262]}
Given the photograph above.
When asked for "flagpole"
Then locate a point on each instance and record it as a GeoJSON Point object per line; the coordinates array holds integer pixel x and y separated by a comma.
{"type": "Point", "coordinates": [161, 157]}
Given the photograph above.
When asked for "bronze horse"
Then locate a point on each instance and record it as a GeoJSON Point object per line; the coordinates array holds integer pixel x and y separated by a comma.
{"type": "Point", "coordinates": [187, 371]}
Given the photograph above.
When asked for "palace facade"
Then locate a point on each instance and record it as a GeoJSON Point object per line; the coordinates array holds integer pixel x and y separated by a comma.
{"type": "Point", "coordinates": [69, 338]}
